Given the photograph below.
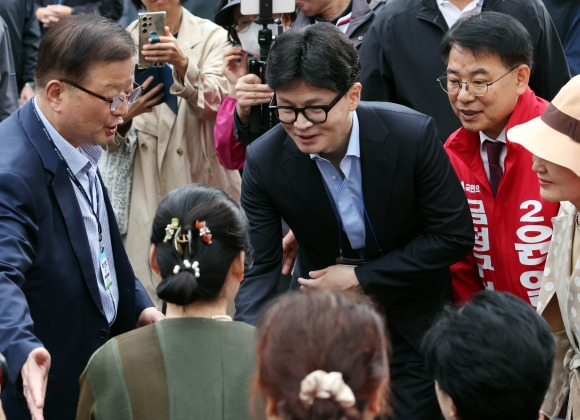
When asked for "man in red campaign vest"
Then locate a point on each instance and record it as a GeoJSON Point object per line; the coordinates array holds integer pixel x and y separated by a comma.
{"type": "Point", "coordinates": [488, 58]}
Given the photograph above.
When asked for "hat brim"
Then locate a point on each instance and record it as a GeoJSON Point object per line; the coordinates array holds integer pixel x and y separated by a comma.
{"type": "Point", "coordinates": [545, 142]}
{"type": "Point", "coordinates": [224, 16]}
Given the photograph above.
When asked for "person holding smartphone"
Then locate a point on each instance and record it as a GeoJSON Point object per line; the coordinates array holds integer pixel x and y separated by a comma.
{"type": "Point", "coordinates": [173, 149]}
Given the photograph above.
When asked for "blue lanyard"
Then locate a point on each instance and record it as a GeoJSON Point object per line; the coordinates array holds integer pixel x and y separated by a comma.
{"type": "Point", "coordinates": [74, 179]}
{"type": "Point", "coordinates": [339, 220]}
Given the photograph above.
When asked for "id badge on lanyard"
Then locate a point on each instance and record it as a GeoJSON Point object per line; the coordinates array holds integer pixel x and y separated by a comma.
{"type": "Point", "coordinates": [107, 280]}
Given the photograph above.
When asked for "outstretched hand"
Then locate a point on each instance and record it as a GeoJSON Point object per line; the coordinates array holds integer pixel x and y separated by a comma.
{"type": "Point", "coordinates": [149, 316]}
{"type": "Point", "coordinates": [34, 374]}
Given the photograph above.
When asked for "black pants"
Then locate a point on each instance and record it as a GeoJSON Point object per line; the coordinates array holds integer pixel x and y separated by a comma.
{"type": "Point", "coordinates": [412, 388]}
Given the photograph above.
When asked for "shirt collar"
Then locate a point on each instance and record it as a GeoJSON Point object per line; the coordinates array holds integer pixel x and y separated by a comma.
{"type": "Point", "coordinates": [444, 3]}
{"type": "Point", "coordinates": [501, 138]}
{"type": "Point", "coordinates": [89, 154]}
{"type": "Point", "coordinates": [318, 18]}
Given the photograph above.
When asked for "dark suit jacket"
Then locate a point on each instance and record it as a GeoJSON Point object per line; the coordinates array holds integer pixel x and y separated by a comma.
{"type": "Point", "coordinates": [413, 198]}
{"type": "Point", "coordinates": [24, 30]}
{"type": "Point", "coordinates": [48, 284]}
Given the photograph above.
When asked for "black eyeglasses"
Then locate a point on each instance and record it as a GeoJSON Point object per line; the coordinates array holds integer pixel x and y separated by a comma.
{"type": "Point", "coordinates": [316, 114]}
{"type": "Point", "coordinates": [115, 101]}
{"type": "Point", "coordinates": [452, 86]}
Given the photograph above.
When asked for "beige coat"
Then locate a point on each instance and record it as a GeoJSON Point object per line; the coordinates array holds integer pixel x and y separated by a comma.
{"type": "Point", "coordinates": [174, 150]}
{"type": "Point", "coordinates": [562, 282]}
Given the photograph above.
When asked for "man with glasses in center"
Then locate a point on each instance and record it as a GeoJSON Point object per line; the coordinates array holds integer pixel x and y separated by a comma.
{"type": "Point", "coordinates": [66, 284]}
{"type": "Point", "coordinates": [488, 59]}
{"type": "Point", "coordinates": [369, 193]}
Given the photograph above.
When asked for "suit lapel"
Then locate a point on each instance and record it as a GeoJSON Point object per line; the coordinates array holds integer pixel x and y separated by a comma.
{"type": "Point", "coordinates": [378, 165]}
{"type": "Point", "coordinates": [65, 196]}
{"type": "Point", "coordinates": [305, 181]}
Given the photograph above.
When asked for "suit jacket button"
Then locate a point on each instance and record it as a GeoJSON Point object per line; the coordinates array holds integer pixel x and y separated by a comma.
{"type": "Point", "coordinates": [180, 151]}
{"type": "Point", "coordinates": [103, 333]}
{"type": "Point", "coordinates": [143, 147]}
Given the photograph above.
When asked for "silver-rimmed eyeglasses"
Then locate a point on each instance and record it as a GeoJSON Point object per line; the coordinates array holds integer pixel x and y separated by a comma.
{"type": "Point", "coordinates": [115, 101]}
{"type": "Point", "coordinates": [452, 86]}
{"type": "Point", "coordinates": [316, 114]}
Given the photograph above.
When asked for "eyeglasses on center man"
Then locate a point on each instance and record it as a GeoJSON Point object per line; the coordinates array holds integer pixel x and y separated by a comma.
{"type": "Point", "coordinates": [316, 114]}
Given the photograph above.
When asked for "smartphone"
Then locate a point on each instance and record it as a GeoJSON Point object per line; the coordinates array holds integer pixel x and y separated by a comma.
{"type": "Point", "coordinates": [151, 25]}
{"type": "Point", "coordinates": [252, 7]}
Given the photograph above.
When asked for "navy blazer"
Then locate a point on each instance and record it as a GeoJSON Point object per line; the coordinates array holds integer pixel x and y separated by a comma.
{"type": "Point", "coordinates": [48, 283]}
{"type": "Point", "coordinates": [413, 198]}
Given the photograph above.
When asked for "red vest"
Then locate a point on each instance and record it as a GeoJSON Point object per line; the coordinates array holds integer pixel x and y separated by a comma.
{"type": "Point", "coordinates": [513, 229]}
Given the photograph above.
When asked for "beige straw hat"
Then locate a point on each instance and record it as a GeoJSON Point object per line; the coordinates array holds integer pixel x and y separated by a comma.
{"type": "Point", "coordinates": [555, 135]}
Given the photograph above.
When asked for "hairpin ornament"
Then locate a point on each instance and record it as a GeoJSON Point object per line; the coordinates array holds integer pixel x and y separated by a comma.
{"type": "Point", "coordinates": [204, 231]}
{"type": "Point", "coordinates": [170, 229]}
{"type": "Point", "coordinates": [193, 267]}
{"type": "Point", "coordinates": [180, 239]}
{"type": "Point", "coordinates": [326, 385]}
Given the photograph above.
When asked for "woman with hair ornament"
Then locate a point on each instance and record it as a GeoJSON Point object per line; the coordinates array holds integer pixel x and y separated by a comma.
{"type": "Point", "coordinates": [197, 363]}
{"type": "Point", "coordinates": [340, 368]}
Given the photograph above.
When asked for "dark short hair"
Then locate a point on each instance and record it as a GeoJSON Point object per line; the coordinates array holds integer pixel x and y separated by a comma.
{"type": "Point", "coordinates": [493, 357]}
{"type": "Point", "coordinates": [229, 229]}
{"type": "Point", "coordinates": [490, 33]}
{"type": "Point", "coordinates": [71, 47]}
{"type": "Point", "coordinates": [319, 55]}
{"type": "Point", "coordinates": [302, 332]}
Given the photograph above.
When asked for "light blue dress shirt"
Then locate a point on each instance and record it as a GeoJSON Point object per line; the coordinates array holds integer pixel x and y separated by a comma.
{"type": "Point", "coordinates": [84, 166]}
{"type": "Point", "coordinates": [347, 193]}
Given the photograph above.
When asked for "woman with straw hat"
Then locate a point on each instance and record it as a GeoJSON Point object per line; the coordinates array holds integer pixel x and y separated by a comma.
{"type": "Point", "coordinates": [554, 140]}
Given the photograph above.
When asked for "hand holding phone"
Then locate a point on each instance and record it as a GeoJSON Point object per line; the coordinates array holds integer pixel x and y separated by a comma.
{"type": "Point", "coordinates": [151, 26]}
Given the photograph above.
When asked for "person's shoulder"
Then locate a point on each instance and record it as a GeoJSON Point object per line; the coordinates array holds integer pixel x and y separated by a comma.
{"type": "Point", "coordinates": [13, 138]}
{"type": "Point", "coordinates": [270, 140]}
{"type": "Point", "coordinates": [132, 26]}
{"type": "Point", "coordinates": [404, 125]}
{"type": "Point", "coordinates": [389, 109]}
{"type": "Point", "coordinates": [400, 9]}
{"type": "Point", "coordinates": [519, 8]}
{"type": "Point", "coordinates": [242, 327]}
{"type": "Point", "coordinates": [199, 22]}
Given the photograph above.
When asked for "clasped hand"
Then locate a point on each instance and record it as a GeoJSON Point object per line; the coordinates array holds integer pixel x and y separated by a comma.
{"type": "Point", "coordinates": [335, 277]}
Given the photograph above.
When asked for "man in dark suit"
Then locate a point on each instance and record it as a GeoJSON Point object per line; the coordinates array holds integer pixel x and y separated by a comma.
{"type": "Point", "coordinates": [65, 279]}
{"type": "Point", "coordinates": [369, 194]}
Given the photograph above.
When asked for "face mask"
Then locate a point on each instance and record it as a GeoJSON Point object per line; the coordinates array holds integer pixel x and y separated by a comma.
{"type": "Point", "coordinates": [249, 37]}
